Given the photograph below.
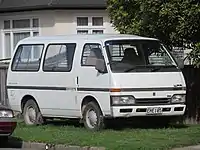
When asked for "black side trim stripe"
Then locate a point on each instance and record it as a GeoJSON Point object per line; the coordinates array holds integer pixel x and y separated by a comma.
{"type": "Point", "coordinates": [134, 89]}
{"type": "Point", "coordinates": [96, 89]}
{"type": "Point", "coordinates": [37, 88]}
{"type": "Point", "coordinates": [153, 89]}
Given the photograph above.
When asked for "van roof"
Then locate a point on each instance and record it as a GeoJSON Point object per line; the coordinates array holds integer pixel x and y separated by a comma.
{"type": "Point", "coordinates": [102, 37]}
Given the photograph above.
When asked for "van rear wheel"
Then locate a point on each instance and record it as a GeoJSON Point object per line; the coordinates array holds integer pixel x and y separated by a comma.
{"type": "Point", "coordinates": [92, 117]}
{"type": "Point", "coordinates": [32, 114]}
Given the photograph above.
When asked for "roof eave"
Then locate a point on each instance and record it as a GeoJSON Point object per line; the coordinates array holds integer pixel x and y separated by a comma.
{"type": "Point", "coordinates": [51, 7]}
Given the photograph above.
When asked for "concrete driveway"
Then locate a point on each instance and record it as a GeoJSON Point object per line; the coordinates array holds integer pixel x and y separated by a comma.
{"type": "Point", "coordinates": [196, 147]}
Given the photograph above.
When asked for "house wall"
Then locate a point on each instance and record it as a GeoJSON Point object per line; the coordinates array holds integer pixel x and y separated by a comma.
{"type": "Point", "coordinates": [51, 22]}
{"type": "Point", "coordinates": [66, 23]}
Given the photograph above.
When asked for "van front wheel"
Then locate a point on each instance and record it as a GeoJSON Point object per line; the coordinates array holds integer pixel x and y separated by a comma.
{"type": "Point", "coordinates": [92, 117]}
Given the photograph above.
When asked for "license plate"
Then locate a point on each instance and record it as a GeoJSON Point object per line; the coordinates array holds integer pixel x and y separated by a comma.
{"type": "Point", "coordinates": [154, 111]}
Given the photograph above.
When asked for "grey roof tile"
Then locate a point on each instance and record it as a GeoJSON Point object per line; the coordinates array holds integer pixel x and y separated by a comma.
{"type": "Point", "coordinates": [22, 5]}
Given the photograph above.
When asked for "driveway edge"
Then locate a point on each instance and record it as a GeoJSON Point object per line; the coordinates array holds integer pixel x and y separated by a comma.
{"type": "Point", "coordinates": [42, 146]}
{"type": "Point", "coordinates": [196, 147]}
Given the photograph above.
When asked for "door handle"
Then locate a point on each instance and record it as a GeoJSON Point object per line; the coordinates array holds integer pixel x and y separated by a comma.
{"type": "Point", "coordinates": [77, 80]}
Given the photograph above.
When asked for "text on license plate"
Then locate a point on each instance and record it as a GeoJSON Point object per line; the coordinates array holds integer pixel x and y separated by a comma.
{"type": "Point", "coordinates": [154, 110]}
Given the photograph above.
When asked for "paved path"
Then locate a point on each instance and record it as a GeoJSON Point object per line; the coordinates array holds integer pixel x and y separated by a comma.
{"type": "Point", "coordinates": [197, 147]}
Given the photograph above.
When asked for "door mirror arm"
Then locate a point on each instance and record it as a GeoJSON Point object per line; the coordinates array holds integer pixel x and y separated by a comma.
{"type": "Point", "coordinates": [101, 66]}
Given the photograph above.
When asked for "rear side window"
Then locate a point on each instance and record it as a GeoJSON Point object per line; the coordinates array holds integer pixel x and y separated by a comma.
{"type": "Point", "coordinates": [27, 57]}
{"type": "Point", "coordinates": [59, 57]}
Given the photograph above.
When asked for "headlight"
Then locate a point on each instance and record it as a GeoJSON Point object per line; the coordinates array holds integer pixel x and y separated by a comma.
{"type": "Point", "coordinates": [122, 100]}
{"type": "Point", "coordinates": [6, 114]}
{"type": "Point", "coordinates": [178, 99]}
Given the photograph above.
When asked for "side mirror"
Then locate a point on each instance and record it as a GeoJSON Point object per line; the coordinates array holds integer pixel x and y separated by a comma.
{"type": "Point", "coordinates": [180, 63]}
{"type": "Point", "coordinates": [100, 66]}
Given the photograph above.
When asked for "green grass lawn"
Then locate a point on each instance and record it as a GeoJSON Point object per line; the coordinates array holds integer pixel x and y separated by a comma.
{"type": "Point", "coordinates": [126, 139]}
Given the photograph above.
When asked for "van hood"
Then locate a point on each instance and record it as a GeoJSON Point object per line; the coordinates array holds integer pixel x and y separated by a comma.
{"type": "Point", "coordinates": [148, 80]}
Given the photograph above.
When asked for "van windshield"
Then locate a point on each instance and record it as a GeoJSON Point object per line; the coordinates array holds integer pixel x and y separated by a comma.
{"type": "Point", "coordinates": [139, 55]}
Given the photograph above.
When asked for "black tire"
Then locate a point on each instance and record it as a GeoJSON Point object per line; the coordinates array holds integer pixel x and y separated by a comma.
{"type": "Point", "coordinates": [100, 119]}
{"type": "Point", "coordinates": [3, 141]}
{"type": "Point", "coordinates": [38, 119]}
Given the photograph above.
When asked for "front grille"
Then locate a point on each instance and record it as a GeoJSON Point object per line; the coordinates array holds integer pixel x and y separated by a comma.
{"type": "Point", "coordinates": [153, 101]}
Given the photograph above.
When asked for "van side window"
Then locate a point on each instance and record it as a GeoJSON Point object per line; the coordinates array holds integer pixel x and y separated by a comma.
{"type": "Point", "coordinates": [59, 57]}
{"type": "Point", "coordinates": [91, 52]}
{"type": "Point", "coordinates": [27, 57]}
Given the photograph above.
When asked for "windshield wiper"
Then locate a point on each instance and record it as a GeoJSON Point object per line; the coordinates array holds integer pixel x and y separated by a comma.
{"type": "Point", "coordinates": [135, 67]}
{"type": "Point", "coordinates": [113, 63]}
{"type": "Point", "coordinates": [155, 69]}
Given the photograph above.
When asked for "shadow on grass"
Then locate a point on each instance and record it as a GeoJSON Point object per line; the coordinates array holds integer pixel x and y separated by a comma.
{"type": "Point", "coordinates": [121, 124]}
{"type": "Point", "coordinates": [130, 124]}
{"type": "Point", "coordinates": [66, 122]}
{"type": "Point", "coordinates": [13, 142]}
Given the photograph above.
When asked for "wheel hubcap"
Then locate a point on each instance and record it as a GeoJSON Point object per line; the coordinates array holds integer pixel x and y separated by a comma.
{"type": "Point", "coordinates": [91, 118]}
{"type": "Point", "coordinates": [31, 115]}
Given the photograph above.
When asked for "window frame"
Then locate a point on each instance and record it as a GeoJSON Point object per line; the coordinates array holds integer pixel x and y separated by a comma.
{"type": "Point", "coordinates": [45, 53]}
{"type": "Point", "coordinates": [11, 23]}
{"type": "Point", "coordinates": [40, 59]}
{"type": "Point", "coordinates": [81, 63]}
{"type": "Point", "coordinates": [90, 27]}
{"type": "Point", "coordinates": [31, 30]}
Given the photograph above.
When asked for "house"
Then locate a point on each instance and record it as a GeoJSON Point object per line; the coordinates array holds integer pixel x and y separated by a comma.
{"type": "Point", "coordinates": [24, 18]}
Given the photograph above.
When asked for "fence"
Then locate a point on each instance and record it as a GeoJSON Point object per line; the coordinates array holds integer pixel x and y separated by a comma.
{"type": "Point", "coordinates": [3, 76]}
{"type": "Point", "coordinates": [191, 74]}
{"type": "Point", "coordinates": [192, 78]}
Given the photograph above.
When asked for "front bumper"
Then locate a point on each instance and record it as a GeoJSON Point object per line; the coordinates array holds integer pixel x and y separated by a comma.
{"type": "Point", "coordinates": [131, 111]}
{"type": "Point", "coordinates": [7, 126]}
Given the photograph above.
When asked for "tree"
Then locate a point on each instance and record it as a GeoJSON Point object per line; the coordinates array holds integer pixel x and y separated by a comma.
{"type": "Point", "coordinates": [174, 22]}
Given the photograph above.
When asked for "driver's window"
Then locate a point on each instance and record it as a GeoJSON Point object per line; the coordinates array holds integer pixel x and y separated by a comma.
{"type": "Point", "coordinates": [91, 52]}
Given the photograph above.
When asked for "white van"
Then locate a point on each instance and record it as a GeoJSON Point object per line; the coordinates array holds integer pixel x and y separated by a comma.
{"type": "Point", "coordinates": [94, 77]}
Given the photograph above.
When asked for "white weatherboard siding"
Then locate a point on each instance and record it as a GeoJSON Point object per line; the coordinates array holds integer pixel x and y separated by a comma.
{"type": "Point", "coordinates": [54, 22]}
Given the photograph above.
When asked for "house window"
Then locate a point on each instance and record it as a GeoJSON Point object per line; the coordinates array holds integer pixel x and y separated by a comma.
{"type": "Point", "coordinates": [82, 21]}
{"type": "Point", "coordinates": [18, 36]}
{"type": "Point", "coordinates": [82, 31]}
{"type": "Point", "coordinates": [7, 24]}
{"type": "Point", "coordinates": [16, 30]}
{"type": "Point", "coordinates": [24, 23]}
{"type": "Point", "coordinates": [97, 31]}
{"type": "Point", "coordinates": [90, 25]}
{"type": "Point", "coordinates": [97, 21]}
{"type": "Point", "coordinates": [35, 23]}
